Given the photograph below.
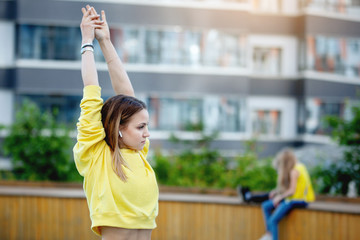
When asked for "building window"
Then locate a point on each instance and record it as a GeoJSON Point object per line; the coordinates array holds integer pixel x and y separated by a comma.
{"type": "Point", "coordinates": [180, 47]}
{"type": "Point", "coordinates": [334, 55]}
{"type": "Point", "coordinates": [26, 41]}
{"type": "Point", "coordinates": [267, 61]}
{"type": "Point", "coordinates": [266, 122]}
{"type": "Point", "coordinates": [191, 48]}
{"type": "Point", "coordinates": [152, 46]}
{"type": "Point", "coordinates": [126, 42]}
{"type": "Point", "coordinates": [317, 109]}
{"type": "Point", "coordinates": [352, 57]}
{"type": "Point", "coordinates": [48, 43]}
{"type": "Point", "coordinates": [195, 114]}
{"type": "Point", "coordinates": [223, 49]}
{"type": "Point", "coordinates": [171, 48]}
{"type": "Point", "coordinates": [271, 116]}
{"type": "Point", "coordinates": [214, 113]}
{"type": "Point", "coordinates": [66, 108]}
{"type": "Point", "coordinates": [64, 43]}
{"type": "Point", "coordinates": [175, 114]}
{"type": "Point", "coordinates": [224, 114]}
{"type": "Point", "coordinates": [138, 45]}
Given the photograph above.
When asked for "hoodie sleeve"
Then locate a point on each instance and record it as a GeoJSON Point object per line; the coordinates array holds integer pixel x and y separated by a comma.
{"type": "Point", "coordinates": [90, 130]}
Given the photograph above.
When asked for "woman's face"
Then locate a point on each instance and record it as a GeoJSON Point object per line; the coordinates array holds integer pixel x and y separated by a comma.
{"type": "Point", "coordinates": [135, 133]}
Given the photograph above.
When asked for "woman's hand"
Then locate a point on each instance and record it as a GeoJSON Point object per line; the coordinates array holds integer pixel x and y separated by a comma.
{"type": "Point", "coordinates": [272, 193]}
{"type": "Point", "coordinates": [88, 24]}
{"type": "Point", "coordinates": [102, 32]}
{"type": "Point", "coordinates": [277, 199]}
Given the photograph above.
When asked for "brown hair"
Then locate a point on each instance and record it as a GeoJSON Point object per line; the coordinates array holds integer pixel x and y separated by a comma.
{"type": "Point", "coordinates": [284, 162]}
{"type": "Point", "coordinates": [117, 112]}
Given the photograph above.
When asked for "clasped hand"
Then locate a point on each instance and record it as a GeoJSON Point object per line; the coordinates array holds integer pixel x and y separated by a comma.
{"type": "Point", "coordinates": [92, 26]}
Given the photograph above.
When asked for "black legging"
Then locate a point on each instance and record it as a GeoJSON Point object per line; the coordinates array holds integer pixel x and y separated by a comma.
{"type": "Point", "coordinates": [258, 198]}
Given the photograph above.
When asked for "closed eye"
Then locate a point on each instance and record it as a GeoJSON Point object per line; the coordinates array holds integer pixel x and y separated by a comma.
{"type": "Point", "coordinates": [141, 126]}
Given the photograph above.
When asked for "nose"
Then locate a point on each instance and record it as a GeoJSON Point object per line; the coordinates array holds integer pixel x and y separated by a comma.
{"type": "Point", "coordinates": [146, 132]}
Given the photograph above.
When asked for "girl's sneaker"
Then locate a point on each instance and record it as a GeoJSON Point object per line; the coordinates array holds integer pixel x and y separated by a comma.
{"type": "Point", "coordinates": [266, 236]}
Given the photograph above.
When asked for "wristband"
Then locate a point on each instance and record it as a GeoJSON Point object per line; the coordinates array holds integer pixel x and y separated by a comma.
{"type": "Point", "coordinates": [87, 45]}
{"type": "Point", "coordinates": [84, 49]}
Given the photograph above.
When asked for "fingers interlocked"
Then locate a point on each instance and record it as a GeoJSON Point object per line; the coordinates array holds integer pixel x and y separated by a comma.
{"type": "Point", "coordinates": [90, 21]}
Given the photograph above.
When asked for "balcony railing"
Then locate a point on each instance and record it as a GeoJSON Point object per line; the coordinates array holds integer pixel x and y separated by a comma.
{"type": "Point", "coordinates": [343, 7]}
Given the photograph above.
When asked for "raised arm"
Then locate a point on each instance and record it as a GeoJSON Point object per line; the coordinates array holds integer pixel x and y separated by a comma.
{"type": "Point", "coordinates": [88, 69]}
{"type": "Point", "coordinates": [89, 126]}
{"type": "Point", "coordinates": [119, 79]}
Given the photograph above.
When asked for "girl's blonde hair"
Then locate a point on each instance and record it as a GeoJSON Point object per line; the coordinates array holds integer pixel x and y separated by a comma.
{"type": "Point", "coordinates": [116, 114]}
{"type": "Point", "coordinates": [284, 162]}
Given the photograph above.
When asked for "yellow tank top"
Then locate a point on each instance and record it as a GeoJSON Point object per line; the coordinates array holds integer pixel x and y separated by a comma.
{"type": "Point", "coordinates": [304, 190]}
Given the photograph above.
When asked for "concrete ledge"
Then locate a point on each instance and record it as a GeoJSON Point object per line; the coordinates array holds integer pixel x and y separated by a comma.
{"type": "Point", "coordinates": [41, 192]}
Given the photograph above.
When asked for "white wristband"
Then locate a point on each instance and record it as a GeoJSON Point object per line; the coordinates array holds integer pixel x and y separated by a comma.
{"type": "Point", "coordinates": [87, 45]}
{"type": "Point", "coordinates": [86, 49]}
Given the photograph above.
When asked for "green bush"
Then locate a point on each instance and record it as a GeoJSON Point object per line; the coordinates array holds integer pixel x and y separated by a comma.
{"type": "Point", "coordinates": [199, 166]}
{"type": "Point", "coordinates": [39, 147]}
{"type": "Point", "coordinates": [202, 169]}
{"type": "Point", "coordinates": [332, 178]}
{"type": "Point", "coordinates": [163, 168]}
{"type": "Point", "coordinates": [336, 177]}
{"type": "Point", "coordinates": [196, 165]}
{"type": "Point", "coordinates": [257, 174]}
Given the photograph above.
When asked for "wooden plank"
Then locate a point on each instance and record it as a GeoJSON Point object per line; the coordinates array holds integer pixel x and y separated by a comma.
{"type": "Point", "coordinates": [354, 226]}
{"type": "Point", "coordinates": [230, 225]}
{"type": "Point", "coordinates": [343, 226]}
{"type": "Point", "coordinates": [335, 221]}
{"type": "Point", "coordinates": [6, 208]}
{"type": "Point", "coordinates": [305, 217]}
{"type": "Point", "coordinates": [312, 223]}
{"type": "Point", "coordinates": [327, 231]}
{"type": "Point", "coordinates": [198, 223]}
{"type": "Point", "coordinates": [248, 225]}
{"type": "Point", "coordinates": [234, 216]}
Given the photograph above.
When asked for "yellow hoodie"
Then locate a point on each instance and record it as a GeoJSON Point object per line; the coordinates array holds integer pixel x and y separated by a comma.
{"type": "Point", "coordinates": [133, 204]}
{"type": "Point", "coordinates": [304, 190]}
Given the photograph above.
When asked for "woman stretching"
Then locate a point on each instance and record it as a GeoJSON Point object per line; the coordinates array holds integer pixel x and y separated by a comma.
{"type": "Point", "coordinates": [294, 190]}
{"type": "Point", "coordinates": [112, 145]}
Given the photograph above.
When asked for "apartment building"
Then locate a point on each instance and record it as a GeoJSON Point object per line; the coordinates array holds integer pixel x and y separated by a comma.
{"type": "Point", "coordinates": [269, 69]}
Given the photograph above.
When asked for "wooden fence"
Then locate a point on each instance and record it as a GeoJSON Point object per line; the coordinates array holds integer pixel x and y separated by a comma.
{"type": "Point", "coordinates": [26, 216]}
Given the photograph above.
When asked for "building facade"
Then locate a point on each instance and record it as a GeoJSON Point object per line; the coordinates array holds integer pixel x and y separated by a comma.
{"type": "Point", "coordinates": [270, 69]}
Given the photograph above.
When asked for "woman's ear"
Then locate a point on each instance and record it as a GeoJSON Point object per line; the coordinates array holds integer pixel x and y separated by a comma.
{"type": "Point", "coordinates": [120, 134]}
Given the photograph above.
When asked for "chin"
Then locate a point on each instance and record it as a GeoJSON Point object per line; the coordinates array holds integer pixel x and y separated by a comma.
{"type": "Point", "coordinates": [141, 146]}
{"type": "Point", "coordinates": [138, 148]}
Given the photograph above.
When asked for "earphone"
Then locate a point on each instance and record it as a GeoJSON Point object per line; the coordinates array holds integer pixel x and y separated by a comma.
{"type": "Point", "coordinates": [120, 134]}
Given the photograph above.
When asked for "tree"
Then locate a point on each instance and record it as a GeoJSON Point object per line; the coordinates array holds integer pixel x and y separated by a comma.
{"type": "Point", "coordinates": [39, 147]}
